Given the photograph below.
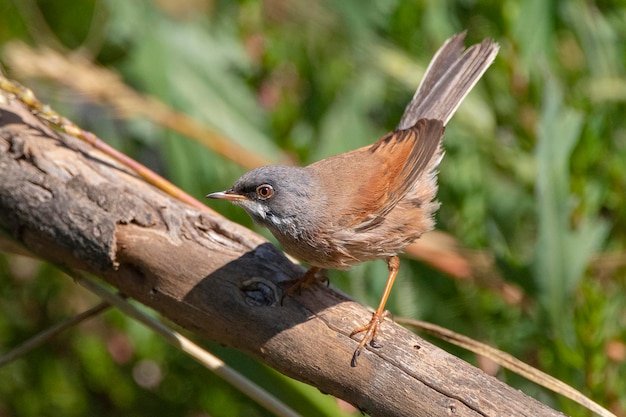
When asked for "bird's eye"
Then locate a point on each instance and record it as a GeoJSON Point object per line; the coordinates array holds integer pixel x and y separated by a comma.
{"type": "Point", "coordinates": [264, 191]}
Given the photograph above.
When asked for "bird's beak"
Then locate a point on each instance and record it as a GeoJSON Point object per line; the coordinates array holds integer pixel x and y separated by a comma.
{"type": "Point", "coordinates": [229, 195]}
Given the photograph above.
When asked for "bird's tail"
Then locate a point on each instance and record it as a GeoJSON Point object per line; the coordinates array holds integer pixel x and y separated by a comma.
{"type": "Point", "coordinates": [449, 78]}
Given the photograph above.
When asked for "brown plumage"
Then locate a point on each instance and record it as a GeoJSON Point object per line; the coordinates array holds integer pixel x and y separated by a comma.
{"type": "Point", "coordinates": [372, 202]}
{"type": "Point", "coordinates": [386, 204]}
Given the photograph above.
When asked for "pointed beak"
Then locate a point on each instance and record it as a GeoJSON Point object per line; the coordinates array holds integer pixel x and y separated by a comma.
{"type": "Point", "coordinates": [229, 195]}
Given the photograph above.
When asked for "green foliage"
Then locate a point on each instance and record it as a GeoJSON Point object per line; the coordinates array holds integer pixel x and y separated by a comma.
{"type": "Point", "coordinates": [562, 254]}
{"type": "Point", "coordinates": [534, 176]}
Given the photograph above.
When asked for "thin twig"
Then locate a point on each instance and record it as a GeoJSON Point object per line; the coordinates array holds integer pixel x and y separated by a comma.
{"type": "Point", "coordinates": [41, 338]}
{"type": "Point", "coordinates": [205, 358]}
{"type": "Point", "coordinates": [509, 362]}
{"type": "Point", "coordinates": [44, 112]}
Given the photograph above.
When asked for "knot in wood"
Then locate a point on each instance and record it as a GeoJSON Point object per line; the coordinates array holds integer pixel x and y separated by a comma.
{"type": "Point", "coordinates": [259, 292]}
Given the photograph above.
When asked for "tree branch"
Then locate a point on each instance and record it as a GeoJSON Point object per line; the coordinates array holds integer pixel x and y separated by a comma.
{"type": "Point", "coordinates": [69, 204]}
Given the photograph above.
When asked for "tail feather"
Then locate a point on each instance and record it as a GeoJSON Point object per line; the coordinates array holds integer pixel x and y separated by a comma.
{"type": "Point", "coordinates": [450, 76]}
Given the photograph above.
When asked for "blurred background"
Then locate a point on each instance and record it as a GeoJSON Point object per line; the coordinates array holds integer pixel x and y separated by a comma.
{"type": "Point", "coordinates": [530, 250]}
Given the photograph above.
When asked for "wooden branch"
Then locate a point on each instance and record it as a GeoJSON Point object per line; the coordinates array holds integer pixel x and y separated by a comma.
{"type": "Point", "coordinates": [69, 204]}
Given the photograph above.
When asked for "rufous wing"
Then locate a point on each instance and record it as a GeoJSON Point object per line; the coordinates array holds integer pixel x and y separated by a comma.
{"type": "Point", "coordinates": [370, 181]}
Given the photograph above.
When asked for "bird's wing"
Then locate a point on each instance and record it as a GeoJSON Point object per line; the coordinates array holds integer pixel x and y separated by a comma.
{"type": "Point", "coordinates": [367, 183]}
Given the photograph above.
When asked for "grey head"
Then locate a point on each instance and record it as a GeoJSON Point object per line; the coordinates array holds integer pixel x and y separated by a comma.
{"type": "Point", "coordinates": [278, 197]}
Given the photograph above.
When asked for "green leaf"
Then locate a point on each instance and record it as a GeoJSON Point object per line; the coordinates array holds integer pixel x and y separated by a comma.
{"type": "Point", "coordinates": [562, 251]}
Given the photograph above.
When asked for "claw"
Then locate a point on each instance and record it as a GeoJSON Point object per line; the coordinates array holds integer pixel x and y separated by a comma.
{"type": "Point", "coordinates": [309, 279]}
{"type": "Point", "coordinates": [370, 330]}
{"type": "Point", "coordinates": [375, 344]}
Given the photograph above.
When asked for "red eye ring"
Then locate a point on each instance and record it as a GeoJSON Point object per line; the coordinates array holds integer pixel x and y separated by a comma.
{"type": "Point", "coordinates": [264, 191]}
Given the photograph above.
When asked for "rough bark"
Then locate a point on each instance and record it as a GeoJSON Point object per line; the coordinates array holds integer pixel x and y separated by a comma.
{"type": "Point", "coordinates": [71, 205]}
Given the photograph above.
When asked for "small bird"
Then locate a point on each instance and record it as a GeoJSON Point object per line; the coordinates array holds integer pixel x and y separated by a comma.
{"type": "Point", "coordinates": [372, 202]}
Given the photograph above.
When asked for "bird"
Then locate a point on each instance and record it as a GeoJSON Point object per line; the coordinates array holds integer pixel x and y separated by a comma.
{"type": "Point", "coordinates": [372, 202]}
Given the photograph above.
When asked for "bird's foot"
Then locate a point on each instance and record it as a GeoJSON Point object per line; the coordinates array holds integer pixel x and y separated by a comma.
{"type": "Point", "coordinates": [311, 277]}
{"type": "Point", "coordinates": [370, 330]}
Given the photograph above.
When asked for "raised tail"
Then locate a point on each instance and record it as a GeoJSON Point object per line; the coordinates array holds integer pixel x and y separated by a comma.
{"type": "Point", "coordinates": [449, 78]}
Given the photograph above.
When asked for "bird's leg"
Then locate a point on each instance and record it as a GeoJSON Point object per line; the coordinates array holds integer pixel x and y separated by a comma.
{"type": "Point", "coordinates": [309, 278]}
{"type": "Point", "coordinates": [370, 329]}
